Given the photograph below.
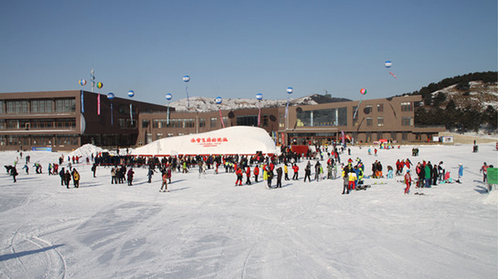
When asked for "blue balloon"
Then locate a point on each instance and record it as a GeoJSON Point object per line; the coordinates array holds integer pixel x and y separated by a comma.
{"type": "Point", "coordinates": [131, 93]}
{"type": "Point", "coordinates": [186, 78]}
{"type": "Point", "coordinates": [218, 100]}
{"type": "Point", "coordinates": [111, 95]}
{"type": "Point", "coordinates": [259, 96]}
{"type": "Point", "coordinates": [168, 96]}
{"type": "Point", "coordinates": [388, 64]}
{"type": "Point", "coordinates": [289, 90]}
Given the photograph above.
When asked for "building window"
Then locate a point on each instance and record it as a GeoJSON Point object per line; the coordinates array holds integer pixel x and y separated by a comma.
{"type": "Point", "coordinates": [225, 120]}
{"type": "Point", "coordinates": [404, 136]}
{"type": "Point", "coordinates": [380, 135]}
{"type": "Point", "coordinates": [202, 122]}
{"type": "Point", "coordinates": [322, 117]}
{"type": "Point", "coordinates": [145, 123]}
{"type": "Point", "coordinates": [213, 122]}
{"type": "Point", "coordinates": [149, 138]}
{"type": "Point", "coordinates": [407, 121]}
{"type": "Point", "coordinates": [159, 136]}
{"type": "Point", "coordinates": [368, 137]}
{"type": "Point", "coordinates": [369, 121]}
{"type": "Point", "coordinates": [2, 107]}
{"type": "Point", "coordinates": [48, 124]}
{"type": "Point", "coordinates": [368, 109]}
{"type": "Point", "coordinates": [380, 121]}
{"type": "Point", "coordinates": [380, 107]}
{"type": "Point", "coordinates": [41, 106]}
{"type": "Point", "coordinates": [406, 106]}
{"type": "Point", "coordinates": [17, 106]}
{"type": "Point", "coordinates": [65, 105]}
{"type": "Point", "coordinates": [68, 124]}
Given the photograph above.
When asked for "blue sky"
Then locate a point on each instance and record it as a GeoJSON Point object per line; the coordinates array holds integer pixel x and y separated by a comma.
{"type": "Point", "coordinates": [235, 49]}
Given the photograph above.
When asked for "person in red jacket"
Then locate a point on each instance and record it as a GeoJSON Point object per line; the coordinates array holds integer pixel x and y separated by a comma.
{"type": "Point", "coordinates": [248, 173]}
{"type": "Point", "coordinates": [239, 177]}
{"type": "Point", "coordinates": [407, 181]}
{"type": "Point", "coordinates": [256, 173]}
{"type": "Point", "coordinates": [295, 172]}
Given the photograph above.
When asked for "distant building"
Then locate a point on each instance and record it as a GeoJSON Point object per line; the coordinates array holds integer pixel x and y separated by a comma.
{"type": "Point", "coordinates": [65, 120]}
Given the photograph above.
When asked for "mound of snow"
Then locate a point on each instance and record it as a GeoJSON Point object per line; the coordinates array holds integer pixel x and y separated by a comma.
{"type": "Point", "coordinates": [231, 140]}
{"type": "Point", "coordinates": [86, 150]}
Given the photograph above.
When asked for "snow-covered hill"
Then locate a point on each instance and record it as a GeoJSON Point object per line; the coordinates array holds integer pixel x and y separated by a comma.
{"type": "Point", "coordinates": [478, 96]}
{"type": "Point", "coordinates": [203, 104]}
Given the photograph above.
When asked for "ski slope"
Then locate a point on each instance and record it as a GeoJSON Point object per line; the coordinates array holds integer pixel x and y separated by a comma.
{"type": "Point", "coordinates": [205, 227]}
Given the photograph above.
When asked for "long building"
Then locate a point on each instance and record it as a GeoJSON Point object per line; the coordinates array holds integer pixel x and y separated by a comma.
{"type": "Point", "coordinates": [65, 120]}
{"type": "Point", "coordinates": [362, 122]}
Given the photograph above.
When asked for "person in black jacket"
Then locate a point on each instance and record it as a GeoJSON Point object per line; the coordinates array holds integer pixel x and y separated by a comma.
{"type": "Point", "coordinates": [279, 173]}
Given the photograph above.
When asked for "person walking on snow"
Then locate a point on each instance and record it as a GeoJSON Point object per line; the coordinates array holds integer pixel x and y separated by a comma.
{"type": "Point", "coordinates": [256, 173]}
{"type": "Point", "coordinates": [407, 182]}
{"type": "Point", "coordinates": [239, 177]}
{"type": "Point", "coordinates": [164, 186]}
{"type": "Point", "coordinates": [484, 171]}
{"type": "Point", "coordinates": [460, 172]}
{"type": "Point", "coordinates": [279, 172]}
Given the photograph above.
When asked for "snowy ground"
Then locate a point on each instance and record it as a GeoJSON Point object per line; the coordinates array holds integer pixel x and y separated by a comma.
{"type": "Point", "coordinates": [208, 228]}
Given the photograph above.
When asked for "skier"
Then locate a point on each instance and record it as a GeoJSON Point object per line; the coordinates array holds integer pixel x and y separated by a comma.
{"type": "Point", "coordinates": [407, 182]}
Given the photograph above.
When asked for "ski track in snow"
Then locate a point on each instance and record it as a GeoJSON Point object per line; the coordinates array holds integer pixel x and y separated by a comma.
{"type": "Point", "coordinates": [208, 228]}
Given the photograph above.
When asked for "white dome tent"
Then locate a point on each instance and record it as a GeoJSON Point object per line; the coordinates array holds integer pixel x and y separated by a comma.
{"type": "Point", "coordinates": [241, 140]}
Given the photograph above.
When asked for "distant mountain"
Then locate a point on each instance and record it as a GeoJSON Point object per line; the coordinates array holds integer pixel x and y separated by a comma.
{"type": "Point", "coordinates": [204, 104]}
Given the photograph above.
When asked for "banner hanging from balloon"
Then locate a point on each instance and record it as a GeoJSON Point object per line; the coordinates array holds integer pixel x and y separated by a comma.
{"type": "Point", "coordinates": [186, 79]}
{"type": "Point", "coordinates": [259, 99]}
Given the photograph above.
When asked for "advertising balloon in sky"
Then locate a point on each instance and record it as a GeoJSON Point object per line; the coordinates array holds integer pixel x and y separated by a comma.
{"type": "Point", "coordinates": [82, 82]}
{"type": "Point", "coordinates": [363, 91]}
{"type": "Point", "coordinates": [218, 100]}
{"type": "Point", "coordinates": [100, 85]}
{"type": "Point", "coordinates": [388, 64]}
{"type": "Point", "coordinates": [131, 93]}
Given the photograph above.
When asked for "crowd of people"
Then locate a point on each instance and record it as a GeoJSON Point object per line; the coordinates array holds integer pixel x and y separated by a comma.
{"type": "Point", "coordinates": [271, 169]}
